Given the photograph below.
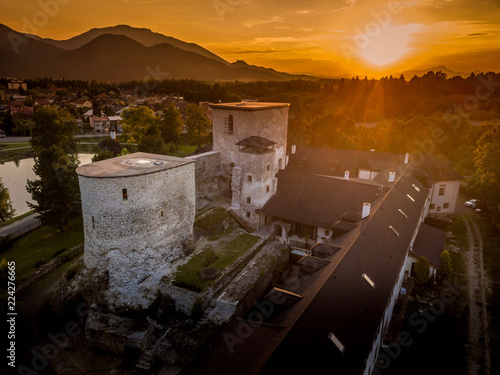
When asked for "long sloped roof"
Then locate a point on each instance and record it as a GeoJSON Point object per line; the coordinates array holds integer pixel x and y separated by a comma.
{"type": "Point", "coordinates": [345, 305]}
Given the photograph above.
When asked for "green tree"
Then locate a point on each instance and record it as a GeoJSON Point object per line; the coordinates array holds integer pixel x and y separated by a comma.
{"type": "Point", "coordinates": [56, 192]}
{"type": "Point", "coordinates": [6, 210]}
{"type": "Point", "coordinates": [422, 269]}
{"type": "Point", "coordinates": [135, 122]}
{"type": "Point", "coordinates": [446, 268]}
{"type": "Point", "coordinates": [53, 127]}
{"type": "Point", "coordinates": [486, 178]}
{"type": "Point", "coordinates": [171, 125]}
{"type": "Point", "coordinates": [151, 141]}
{"type": "Point", "coordinates": [198, 125]}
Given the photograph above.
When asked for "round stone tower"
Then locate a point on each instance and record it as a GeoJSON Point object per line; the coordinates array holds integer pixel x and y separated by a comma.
{"type": "Point", "coordinates": [138, 213]}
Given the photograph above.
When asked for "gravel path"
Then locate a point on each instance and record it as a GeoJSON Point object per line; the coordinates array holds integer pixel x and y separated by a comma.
{"type": "Point", "coordinates": [479, 356]}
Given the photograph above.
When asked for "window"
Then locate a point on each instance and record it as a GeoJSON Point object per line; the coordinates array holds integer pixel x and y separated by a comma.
{"type": "Point", "coordinates": [442, 189]}
{"type": "Point", "coordinates": [327, 232]}
{"type": "Point", "coordinates": [247, 214]}
{"type": "Point", "coordinates": [279, 164]}
{"type": "Point", "coordinates": [332, 166]}
{"type": "Point", "coordinates": [161, 214]}
{"type": "Point", "coordinates": [438, 208]}
{"type": "Point", "coordinates": [267, 189]}
{"type": "Point", "coordinates": [268, 167]}
{"type": "Point", "coordinates": [124, 194]}
{"type": "Point", "coordinates": [249, 200]}
{"type": "Point", "coordinates": [229, 124]}
{"type": "Point", "coordinates": [93, 223]}
{"type": "Point", "coordinates": [249, 178]}
{"type": "Point", "coordinates": [432, 206]}
{"type": "Point", "coordinates": [446, 205]}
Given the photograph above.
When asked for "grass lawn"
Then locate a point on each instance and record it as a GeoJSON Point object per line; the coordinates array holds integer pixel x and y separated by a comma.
{"type": "Point", "coordinates": [8, 146]}
{"type": "Point", "coordinates": [188, 274]}
{"type": "Point", "coordinates": [42, 244]}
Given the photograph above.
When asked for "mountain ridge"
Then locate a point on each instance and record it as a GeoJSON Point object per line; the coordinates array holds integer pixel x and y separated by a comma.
{"type": "Point", "coordinates": [117, 57]}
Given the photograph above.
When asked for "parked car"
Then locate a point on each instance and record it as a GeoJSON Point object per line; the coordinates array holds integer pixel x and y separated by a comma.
{"type": "Point", "coordinates": [472, 203]}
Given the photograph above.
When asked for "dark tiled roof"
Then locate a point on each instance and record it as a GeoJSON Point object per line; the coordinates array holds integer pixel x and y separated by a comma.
{"type": "Point", "coordinates": [429, 243]}
{"type": "Point", "coordinates": [256, 141]}
{"type": "Point", "coordinates": [439, 169]}
{"type": "Point", "coordinates": [347, 305]}
{"type": "Point", "coordinates": [317, 200]}
{"type": "Point", "coordinates": [320, 160]}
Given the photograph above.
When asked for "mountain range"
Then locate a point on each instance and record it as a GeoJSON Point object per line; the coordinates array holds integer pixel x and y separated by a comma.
{"type": "Point", "coordinates": [123, 53]}
{"type": "Point", "coordinates": [120, 53]}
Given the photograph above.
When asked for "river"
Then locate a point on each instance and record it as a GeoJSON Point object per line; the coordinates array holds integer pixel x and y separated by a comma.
{"type": "Point", "coordinates": [14, 178]}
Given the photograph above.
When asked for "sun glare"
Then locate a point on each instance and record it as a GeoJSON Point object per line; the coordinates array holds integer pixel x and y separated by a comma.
{"type": "Point", "coordinates": [389, 46]}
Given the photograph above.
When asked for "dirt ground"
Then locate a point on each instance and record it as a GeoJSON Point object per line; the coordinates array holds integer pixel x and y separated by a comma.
{"type": "Point", "coordinates": [478, 288]}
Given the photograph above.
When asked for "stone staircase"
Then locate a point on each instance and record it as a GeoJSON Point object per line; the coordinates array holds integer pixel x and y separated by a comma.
{"type": "Point", "coordinates": [241, 221]}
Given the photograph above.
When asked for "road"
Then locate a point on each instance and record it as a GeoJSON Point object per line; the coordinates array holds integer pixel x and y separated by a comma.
{"type": "Point", "coordinates": [478, 286]}
{"type": "Point", "coordinates": [21, 226]}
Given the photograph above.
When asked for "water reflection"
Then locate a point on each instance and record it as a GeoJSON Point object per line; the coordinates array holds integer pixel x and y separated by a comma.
{"type": "Point", "coordinates": [16, 173]}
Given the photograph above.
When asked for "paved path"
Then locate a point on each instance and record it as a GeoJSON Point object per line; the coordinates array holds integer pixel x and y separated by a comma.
{"type": "Point", "coordinates": [21, 226]}
{"type": "Point", "coordinates": [479, 356]}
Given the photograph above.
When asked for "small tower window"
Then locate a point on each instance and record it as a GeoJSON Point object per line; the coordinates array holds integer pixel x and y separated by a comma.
{"type": "Point", "coordinates": [267, 189]}
{"type": "Point", "coordinates": [249, 178]}
{"type": "Point", "coordinates": [249, 200]}
{"type": "Point", "coordinates": [442, 189]}
{"type": "Point", "coordinates": [93, 223]}
{"type": "Point", "coordinates": [247, 214]}
{"type": "Point", "coordinates": [124, 194]}
{"type": "Point", "coordinates": [229, 124]}
{"type": "Point", "coordinates": [268, 167]}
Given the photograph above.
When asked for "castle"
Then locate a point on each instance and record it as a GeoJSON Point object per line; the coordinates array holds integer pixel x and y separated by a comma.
{"type": "Point", "coordinates": [354, 221]}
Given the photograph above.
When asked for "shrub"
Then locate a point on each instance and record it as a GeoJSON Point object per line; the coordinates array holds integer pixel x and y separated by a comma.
{"type": "Point", "coordinates": [197, 309]}
{"type": "Point", "coordinates": [39, 263]}
{"type": "Point", "coordinates": [422, 268]}
{"type": "Point", "coordinates": [446, 266]}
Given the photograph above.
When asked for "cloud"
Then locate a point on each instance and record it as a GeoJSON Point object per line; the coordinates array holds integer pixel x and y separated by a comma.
{"type": "Point", "coordinates": [252, 23]}
{"type": "Point", "coordinates": [478, 34]}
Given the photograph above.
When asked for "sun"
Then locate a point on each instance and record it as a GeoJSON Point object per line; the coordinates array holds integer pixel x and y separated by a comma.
{"type": "Point", "coordinates": [388, 46]}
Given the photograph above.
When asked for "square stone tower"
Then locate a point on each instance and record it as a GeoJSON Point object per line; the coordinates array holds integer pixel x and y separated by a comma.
{"type": "Point", "coordinates": [251, 138]}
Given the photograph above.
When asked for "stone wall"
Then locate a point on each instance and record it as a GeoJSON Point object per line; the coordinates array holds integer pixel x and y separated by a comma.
{"type": "Point", "coordinates": [211, 180]}
{"type": "Point", "coordinates": [136, 239]}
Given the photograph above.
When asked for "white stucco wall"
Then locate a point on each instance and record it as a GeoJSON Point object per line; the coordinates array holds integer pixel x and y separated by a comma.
{"type": "Point", "coordinates": [450, 196]}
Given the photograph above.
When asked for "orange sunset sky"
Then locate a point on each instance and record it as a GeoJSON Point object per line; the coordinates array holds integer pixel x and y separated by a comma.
{"type": "Point", "coordinates": [327, 37]}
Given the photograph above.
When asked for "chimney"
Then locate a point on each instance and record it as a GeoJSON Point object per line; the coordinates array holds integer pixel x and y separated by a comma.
{"type": "Point", "coordinates": [294, 149]}
{"type": "Point", "coordinates": [366, 210]}
{"type": "Point", "coordinates": [392, 176]}
{"type": "Point", "coordinates": [346, 175]}
{"type": "Point", "coordinates": [407, 157]}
